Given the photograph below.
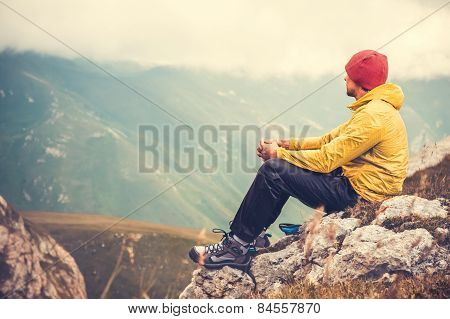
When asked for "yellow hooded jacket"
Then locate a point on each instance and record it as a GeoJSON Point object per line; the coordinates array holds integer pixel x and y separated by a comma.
{"type": "Point", "coordinates": [371, 147]}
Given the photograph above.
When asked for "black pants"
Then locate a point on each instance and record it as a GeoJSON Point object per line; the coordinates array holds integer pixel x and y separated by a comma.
{"type": "Point", "coordinates": [275, 182]}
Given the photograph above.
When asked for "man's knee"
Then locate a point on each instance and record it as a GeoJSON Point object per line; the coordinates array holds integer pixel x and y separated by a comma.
{"type": "Point", "coordinates": [273, 165]}
{"type": "Point", "coordinates": [280, 167]}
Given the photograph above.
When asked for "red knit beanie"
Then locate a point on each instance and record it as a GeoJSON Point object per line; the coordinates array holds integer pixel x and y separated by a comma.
{"type": "Point", "coordinates": [368, 69]}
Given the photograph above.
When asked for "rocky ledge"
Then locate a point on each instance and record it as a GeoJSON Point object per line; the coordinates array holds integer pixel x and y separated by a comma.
{"type": "Point", "coordinates": [32, 264]}
{"type": "Point", "coordinates": [409, 236]}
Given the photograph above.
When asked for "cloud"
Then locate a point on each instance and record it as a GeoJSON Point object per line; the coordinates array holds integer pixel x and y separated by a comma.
{"type": "Point", "coordinates": [256, 37]}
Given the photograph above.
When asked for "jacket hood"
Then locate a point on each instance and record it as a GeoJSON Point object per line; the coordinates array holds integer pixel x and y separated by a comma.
{"type": "Point", "coordinates": [388, 92]}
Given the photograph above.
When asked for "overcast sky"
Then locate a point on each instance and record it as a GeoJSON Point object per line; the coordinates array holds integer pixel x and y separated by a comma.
{"type": "Point", "coordinates": [261, 38]}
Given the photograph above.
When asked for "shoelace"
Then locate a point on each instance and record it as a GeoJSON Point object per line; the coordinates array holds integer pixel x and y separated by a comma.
{"type": "Point", "coordinates": [215, 248]}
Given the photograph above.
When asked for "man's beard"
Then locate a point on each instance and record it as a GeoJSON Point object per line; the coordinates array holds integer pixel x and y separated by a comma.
{"type": "Point", "coordinates": [350, 92]}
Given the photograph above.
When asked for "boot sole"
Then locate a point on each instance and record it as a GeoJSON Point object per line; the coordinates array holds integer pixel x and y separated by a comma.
{"type": "Point", "coordinates": [242, 267]}
{"type": "Point", "coordinates": [195, 258]}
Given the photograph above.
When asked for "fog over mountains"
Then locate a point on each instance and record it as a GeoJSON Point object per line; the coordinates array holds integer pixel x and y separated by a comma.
{"type": "Point", "coordinates": [69, 134]}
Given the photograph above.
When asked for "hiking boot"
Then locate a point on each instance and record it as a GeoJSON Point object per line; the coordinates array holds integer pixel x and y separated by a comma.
{"type": "Point", "coordinates": [228, 252]}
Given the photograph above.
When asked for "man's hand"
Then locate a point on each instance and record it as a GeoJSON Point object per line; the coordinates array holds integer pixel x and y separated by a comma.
{"type": "Point", "coordinates": [284, 143]}
{"type": "Point", "coordinates": [267, 149]}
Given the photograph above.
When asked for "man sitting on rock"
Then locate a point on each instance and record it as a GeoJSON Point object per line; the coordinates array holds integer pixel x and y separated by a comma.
{"type": "Point", "coordinates": [366, 156]}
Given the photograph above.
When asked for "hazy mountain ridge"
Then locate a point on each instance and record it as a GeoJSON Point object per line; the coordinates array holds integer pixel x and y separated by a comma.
{"type": "Point", "coordinates": [69, 133]}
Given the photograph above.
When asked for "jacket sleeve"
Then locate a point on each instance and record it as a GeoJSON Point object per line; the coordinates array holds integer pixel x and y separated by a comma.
{"type": "Point", "coordinates": [312, 143]}
{"type": "Point", "coordinates": [362, 132]}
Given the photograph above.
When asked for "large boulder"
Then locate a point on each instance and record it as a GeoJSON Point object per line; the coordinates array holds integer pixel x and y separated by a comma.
{"type": "Point", "coordinates": [224, 283]}
{"type": "Point", "coordinates": [407, 208]}
{"type": "Point", "coordinates": [333, 249]}
{"type": "Point", "coordinates": [372, 251]}
{"type": "Point", "coordinates": [329, 237]}
{"type": "Point", "coordinates": [32, 263]}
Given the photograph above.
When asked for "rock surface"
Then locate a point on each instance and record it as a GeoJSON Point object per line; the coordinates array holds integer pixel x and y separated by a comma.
{"type": "Point", "coordinates": [32, 263]}
{"type": "Point", "coordinates": [333, 249]}
{"type": "Point", "coordinates": [226, 283]}
{"type": "Point", "coordinates": [371, 251]}
{"type": "Point", "coordinates": [406, 208]}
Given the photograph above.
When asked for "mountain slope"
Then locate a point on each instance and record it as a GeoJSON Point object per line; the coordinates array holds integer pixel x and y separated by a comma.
{"type": "Point", "coordinates": [69, 140]}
